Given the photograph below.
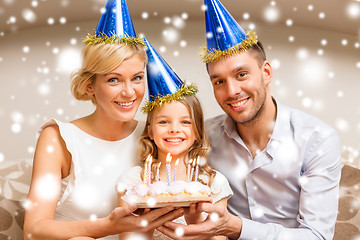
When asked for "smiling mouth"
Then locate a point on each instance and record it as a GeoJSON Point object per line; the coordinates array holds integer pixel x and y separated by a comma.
{"type": "Point", "coordinates": [125, 104]}
{"type": "Point", "coordinates": [174, 140]}
{"type": "Point", "coordinates": [239, 103]}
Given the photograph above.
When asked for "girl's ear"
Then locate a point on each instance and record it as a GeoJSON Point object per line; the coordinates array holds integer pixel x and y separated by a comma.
{"type": "Point", "coordinates": [150, 133]}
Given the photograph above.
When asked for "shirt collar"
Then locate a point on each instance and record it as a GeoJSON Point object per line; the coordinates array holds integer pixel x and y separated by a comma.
{"type": "Point", "coordinates": [282, 122]}
{"type": "Point", "coordinates": [281, 130]}
{"type": "Point", "coordinates": [229, 128]}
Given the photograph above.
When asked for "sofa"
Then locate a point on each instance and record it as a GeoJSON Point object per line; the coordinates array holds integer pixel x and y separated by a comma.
{"type": "Point", "coordinates": [15, 178]}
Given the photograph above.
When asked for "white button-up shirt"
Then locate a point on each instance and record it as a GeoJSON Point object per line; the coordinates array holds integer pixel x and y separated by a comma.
{"type": "Point", "coordinates": [289, 190]}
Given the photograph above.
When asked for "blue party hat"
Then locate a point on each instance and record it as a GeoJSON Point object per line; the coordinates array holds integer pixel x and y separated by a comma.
{"type": "Point", "coordinates": [163, 83]}
{"type": "Point", "coordinates": [224, 35]}
{"type": "Point", "coordinates": [115, 26]}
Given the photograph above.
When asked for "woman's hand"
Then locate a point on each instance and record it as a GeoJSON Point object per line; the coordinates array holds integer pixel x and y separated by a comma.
{"type": "Point", "coordinates": [122, 219]}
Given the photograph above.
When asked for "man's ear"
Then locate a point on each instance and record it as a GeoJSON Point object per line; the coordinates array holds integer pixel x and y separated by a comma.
{"type": "Point", "coordinates": [150, 133]}
{"type": "Point", "coordinates": [267, 72]}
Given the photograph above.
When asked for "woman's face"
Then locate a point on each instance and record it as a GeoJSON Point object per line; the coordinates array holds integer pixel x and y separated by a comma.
{"type": "Point", "coordinates": [119, 93]}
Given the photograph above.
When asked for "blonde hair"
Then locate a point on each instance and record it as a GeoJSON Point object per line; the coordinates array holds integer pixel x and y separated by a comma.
{"type": "Point", "coordinates": [101, 59]}
{"type": "Point", "coordinates": [200, 148]}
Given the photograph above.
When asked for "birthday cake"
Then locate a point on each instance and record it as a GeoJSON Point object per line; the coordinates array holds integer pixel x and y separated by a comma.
{"type": "Point", "coordinates": [159, 194]}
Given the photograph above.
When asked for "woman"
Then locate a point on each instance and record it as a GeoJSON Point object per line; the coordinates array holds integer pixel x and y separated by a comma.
{"type": "Point", "coordinates": [76, 164]}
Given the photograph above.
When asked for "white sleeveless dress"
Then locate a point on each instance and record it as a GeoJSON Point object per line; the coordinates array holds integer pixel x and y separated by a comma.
{"type": "Point", "coordinates": [89, 191]}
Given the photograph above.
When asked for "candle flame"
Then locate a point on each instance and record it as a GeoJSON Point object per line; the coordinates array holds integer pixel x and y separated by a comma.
{"type": "Point", "coordinates": [194, 162]}
{"type": "Point", "coordinates": [148, 158]}
{"type": "Point", "coordinates": [168, 158]}
{"type": "Point", "coordinates": [177, 162]}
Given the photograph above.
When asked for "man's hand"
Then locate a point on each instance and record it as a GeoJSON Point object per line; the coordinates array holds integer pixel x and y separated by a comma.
{"type": "Point", "coordinates": [218, 223]}
{"type": "Point", "coordinates": [193, 214]}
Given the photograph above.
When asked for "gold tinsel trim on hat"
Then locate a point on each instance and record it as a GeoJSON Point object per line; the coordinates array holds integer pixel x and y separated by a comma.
{"type": "Point", "coordinates": [160, 101]}
{"type": "Point", "coordinates": [103, 38]}
{"type": "Point", "coordinates": [215, 55]}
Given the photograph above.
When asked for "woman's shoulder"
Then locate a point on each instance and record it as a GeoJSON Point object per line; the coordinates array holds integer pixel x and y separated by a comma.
{"type": "Point", "coordinates": [54, 124]}
{"type": "Point", "coordinates": [49, 128]}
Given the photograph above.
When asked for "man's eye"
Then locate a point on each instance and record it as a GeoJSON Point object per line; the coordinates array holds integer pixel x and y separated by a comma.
{"type": "Point", "coordinates": [218, 82]}
{"type": "Point", "coordinates": [241, 75]}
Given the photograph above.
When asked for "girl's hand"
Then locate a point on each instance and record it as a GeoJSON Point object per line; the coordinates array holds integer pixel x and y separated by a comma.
{"type": "Point", "coordinates": [193, 214]}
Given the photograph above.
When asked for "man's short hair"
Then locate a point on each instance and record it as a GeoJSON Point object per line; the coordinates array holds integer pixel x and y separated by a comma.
{"type": "Point", "coordinates": [257, 51]}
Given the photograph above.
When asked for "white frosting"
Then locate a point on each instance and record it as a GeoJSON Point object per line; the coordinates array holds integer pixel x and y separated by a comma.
{"type": "Point", "coordinates": [140, 190]}
{"type": "Point", "coordinates": [177, 187]}
{"type": "Point", "coordinates": [158, 188]}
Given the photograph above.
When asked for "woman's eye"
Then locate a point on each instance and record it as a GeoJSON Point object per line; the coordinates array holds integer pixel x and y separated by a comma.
{"type": "Point", "coordinates": [113, 80]}
{"type": "Point", "coordinates": [137, 78]}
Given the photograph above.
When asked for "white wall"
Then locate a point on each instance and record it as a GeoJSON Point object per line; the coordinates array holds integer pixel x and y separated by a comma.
{"type": "Point", "coordinates": [35, 87]}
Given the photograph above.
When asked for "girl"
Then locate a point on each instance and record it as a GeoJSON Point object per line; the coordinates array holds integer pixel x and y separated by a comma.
{"type": "Point", "coordinates": [177, 127]}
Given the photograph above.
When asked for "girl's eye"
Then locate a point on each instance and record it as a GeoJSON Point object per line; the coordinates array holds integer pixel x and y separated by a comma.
{"type": "Point", "coordinates": [186, 122]}
{"type": "Point", "coordinates": [163, 122]}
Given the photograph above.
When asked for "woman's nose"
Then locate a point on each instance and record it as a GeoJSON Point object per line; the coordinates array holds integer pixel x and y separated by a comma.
{"type": "Point", "coordinates": [128, 90]}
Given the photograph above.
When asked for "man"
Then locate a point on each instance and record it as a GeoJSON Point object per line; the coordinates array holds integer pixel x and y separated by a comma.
{"type": "Point", "coordinates": [283, 165]}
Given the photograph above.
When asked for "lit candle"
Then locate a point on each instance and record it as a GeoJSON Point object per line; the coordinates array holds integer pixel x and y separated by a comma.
{"type": "Point", "coordinates": [149, 171]}
{"type": "Point", "coordinates": [197, 169]}
{"type": "Point", "coordinates": [188, 170]}
{"type": "Point", "coordinates": [192, 169]}
{"type": "Point", "coordinates": [176, 164]}
{"type": "Point", "coordinates": [168, 161]}
{"type": "Point", "coordinates": [158, 172]}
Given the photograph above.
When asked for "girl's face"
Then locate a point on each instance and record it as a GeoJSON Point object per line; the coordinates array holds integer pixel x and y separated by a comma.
{"type": "Point", "coordinates": [119, 93]}
{"type": "Point", "coordinates": [172, 130]}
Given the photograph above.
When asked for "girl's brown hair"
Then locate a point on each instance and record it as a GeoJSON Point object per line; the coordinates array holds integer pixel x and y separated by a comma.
{"type": "Point", "coordinates": [101, 59]}
{"type": "Point", "coordinates": [200, 148]}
